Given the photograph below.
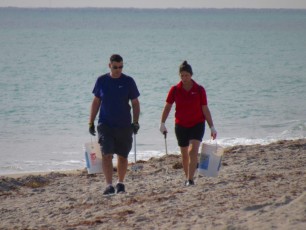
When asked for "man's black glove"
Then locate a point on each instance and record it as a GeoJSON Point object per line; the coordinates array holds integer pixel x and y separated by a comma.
{"type": "Point", "coordinates": [92, 130]}
{"type": "Point", "coordinates": [135, 127]}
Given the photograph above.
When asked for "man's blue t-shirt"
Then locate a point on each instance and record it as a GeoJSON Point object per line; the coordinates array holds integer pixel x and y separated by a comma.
{"type": "Point", "coordinates": [115, 94]}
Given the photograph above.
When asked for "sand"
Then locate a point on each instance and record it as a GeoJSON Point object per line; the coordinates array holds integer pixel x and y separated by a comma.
{"type": "Point", "coordinates": [258, 187]}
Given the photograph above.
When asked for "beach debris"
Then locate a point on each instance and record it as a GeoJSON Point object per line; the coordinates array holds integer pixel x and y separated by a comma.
{"type": "Point", "coordinates": [177, 165]}
{"type": "Point", "coordinates": [7, 184]}
{"type": "Point", "coordinates": [136, 167]}
{"type": "Point", "coordinates": [31, 181]}
{"type": "Point", "coordinates": [35, 181]}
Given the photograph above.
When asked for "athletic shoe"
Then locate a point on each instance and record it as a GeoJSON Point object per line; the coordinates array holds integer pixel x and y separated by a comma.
{"type": "Point", "coordinates": [189, 182]}
{"type": "Point", "coordinates": [120, 188]}
{"type": "Point", "coordinates": [109, 190]}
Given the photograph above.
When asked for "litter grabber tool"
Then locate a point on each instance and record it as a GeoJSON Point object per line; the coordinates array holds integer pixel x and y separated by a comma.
{"type": "Point", "coordinates": [165, 135]}
{"type": "Point", "coordinates": [135, 167]}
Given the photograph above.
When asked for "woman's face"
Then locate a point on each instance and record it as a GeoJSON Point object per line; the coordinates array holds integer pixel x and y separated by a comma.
{"type": "Point", "coordinates": [185, 76]}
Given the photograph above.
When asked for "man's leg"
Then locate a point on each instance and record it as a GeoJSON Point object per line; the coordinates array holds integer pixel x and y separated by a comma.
{"type": "Point", "coordinates": [122, 165]}
{"type": "Point", "coordinates": [107, 166]}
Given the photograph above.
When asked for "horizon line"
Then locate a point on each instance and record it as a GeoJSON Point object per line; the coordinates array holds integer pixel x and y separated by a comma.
{"type": "Point", "coordinates": [156, 8]}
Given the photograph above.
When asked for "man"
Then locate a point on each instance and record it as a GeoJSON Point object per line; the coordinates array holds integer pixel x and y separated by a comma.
{"type": "Point", "coordinates": [112, 93]}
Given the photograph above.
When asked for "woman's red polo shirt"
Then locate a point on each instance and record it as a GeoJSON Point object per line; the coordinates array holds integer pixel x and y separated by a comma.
{"type": "Point", "coordinates": [188, 110]}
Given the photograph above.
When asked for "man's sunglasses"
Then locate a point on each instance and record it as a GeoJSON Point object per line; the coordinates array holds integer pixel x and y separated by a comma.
{"type": "Point", "coordinates": [117, 67]}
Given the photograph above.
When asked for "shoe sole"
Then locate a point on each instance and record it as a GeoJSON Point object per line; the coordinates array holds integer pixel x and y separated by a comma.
{"type": "Point", "coordinates": [110, 194]}
{"type": "Point", "coordinates": [121, 192]}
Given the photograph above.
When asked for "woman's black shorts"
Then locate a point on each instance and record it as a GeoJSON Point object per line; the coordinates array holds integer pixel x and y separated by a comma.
{"type": "Point", "coordinates": [184, 135]}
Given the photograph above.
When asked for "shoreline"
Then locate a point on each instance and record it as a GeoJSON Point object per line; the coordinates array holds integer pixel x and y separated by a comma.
{"type": "Point", "coordinates": [258, 187]}
{"type": "Point", "coordinates": [131, 162]}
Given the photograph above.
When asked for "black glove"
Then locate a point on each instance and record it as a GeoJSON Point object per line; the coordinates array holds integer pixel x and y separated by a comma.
{"type": "Point", "coordinates": [92, 130]}
{"type": "Point", "coordinates": [135, 127]}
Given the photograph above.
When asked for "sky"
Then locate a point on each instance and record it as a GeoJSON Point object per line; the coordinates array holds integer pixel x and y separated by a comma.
{"type": "Point", "coordinates": [290, 4]}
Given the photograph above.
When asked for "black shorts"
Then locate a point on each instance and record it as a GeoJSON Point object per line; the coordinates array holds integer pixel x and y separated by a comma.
{"type": "Point", "coordinates": [184, 135]}
{"type": "Point", "coordinates": [115, 140]}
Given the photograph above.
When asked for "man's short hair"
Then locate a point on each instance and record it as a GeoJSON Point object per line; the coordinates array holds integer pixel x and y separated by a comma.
{"type": "Point", "coordinates": [116, 58]}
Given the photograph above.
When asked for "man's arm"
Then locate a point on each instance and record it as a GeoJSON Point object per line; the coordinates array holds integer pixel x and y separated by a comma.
{"type": "Point", "coordinates": [95, 105]}
{"type": "Point", "coordinates": [136, 109]}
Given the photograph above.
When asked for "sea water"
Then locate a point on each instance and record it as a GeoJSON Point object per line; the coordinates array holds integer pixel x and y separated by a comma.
{"type": "Point", "coordinates": [252, 64]}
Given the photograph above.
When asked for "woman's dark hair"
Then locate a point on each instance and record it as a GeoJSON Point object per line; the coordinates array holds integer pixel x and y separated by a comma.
{"type": "Point", "coordinates": [186, 67]}
{"type": "Point", "coordinates": [116, 58]}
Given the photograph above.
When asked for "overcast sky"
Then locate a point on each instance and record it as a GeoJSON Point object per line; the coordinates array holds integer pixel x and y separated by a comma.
{"type": "Point", "coordinates": [296, 4]}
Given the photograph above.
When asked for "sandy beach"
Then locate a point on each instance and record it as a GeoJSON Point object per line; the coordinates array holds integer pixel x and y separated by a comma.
{"type": "Point", "coordinates": [258, 187]}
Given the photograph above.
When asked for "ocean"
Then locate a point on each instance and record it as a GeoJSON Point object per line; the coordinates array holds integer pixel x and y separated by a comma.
{"type": "Point", "coordinates": [252, 64]}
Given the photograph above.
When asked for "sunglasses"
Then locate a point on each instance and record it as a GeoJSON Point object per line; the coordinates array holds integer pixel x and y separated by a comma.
{"type": "Point", "coordinates": [117, 67]}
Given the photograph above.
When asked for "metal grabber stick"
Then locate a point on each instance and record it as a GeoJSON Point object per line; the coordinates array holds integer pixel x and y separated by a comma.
{"type": "Point", "coordinates": [135, 167]}
{"type": "Point", "coordinates": [135, 147]}
{"type": "Point", "coordinates": [165, 135]}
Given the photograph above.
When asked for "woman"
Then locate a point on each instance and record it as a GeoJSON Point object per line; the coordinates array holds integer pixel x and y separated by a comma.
{"type": "Point", "coordinates": [191, 112]}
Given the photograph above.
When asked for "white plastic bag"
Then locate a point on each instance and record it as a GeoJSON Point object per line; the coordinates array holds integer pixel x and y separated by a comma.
{"type": "Point", "coordinates": [210, 159]}
{"type": "Point", "coordinates": [93, 157]}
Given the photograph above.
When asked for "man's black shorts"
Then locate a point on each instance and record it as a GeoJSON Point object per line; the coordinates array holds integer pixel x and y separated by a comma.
{"type": "Point", "coordinates": [184, 135]}
{"type": "Point", "coordinates": [115, 140]}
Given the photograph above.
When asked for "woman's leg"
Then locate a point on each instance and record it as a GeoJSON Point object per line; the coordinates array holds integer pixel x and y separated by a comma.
{"type": "Point", "coordinates": [185, 160]}
{"type": "Point", "coordinates": [193, 151]}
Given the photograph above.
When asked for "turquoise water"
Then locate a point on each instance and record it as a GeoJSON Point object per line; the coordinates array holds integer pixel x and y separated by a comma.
{"type": "Point", "coordinates": [251, 62]}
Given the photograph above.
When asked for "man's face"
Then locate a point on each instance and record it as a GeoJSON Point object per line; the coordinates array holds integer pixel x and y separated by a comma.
{"type": "Point", "coordinates": [116, 69]}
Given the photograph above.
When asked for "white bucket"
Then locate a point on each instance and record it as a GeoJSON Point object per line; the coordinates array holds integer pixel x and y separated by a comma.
{"type": "Point", "coordinates": [210, 159]}
{"type": "Point", "coordinates": [93, 157]}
